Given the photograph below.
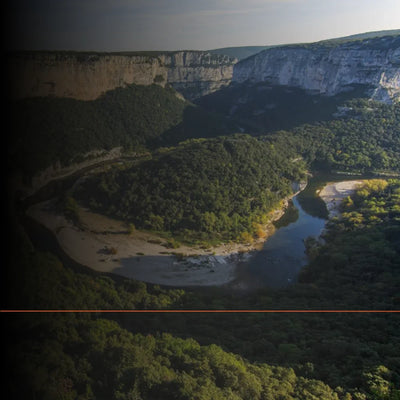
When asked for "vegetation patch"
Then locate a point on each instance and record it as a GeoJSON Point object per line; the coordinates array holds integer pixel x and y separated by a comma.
{"type": "Point", "coordinates": [219, 189]}
{"type": "Point", "coordinates": [58, 131]}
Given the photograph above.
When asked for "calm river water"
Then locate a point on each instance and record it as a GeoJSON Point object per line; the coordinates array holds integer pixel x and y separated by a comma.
{"type": "Point", "coordinates": [283, 255]}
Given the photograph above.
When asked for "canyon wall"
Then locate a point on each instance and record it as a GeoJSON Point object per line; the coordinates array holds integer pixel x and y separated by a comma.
{"type": "Point", "coordinates": [329, 68]}
{"type": "Point", "coordinates": [196, 73]}
{"type": "Point", "coordinates": [326, 67]}
{"type": "Point", "coordinates": [82, 76]}
{"type": "Point", "coordinates": [86, 76]}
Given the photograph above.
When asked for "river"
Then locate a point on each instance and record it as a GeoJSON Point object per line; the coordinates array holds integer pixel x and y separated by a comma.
{"type": "Point", "coordinates": [277, 264]}
{"type": "Point", "coordinates": [283, 255]}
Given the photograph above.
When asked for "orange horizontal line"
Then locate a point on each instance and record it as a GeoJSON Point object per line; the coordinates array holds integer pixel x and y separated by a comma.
{"type": "Point", "coordinates": [200, 311]}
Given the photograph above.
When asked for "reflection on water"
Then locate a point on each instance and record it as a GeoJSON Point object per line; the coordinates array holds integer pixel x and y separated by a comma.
{"type": "Point", "coordinates": [291, 215]}
{"type": "Point", "coordinates": [283, 254]}
{"type": "Point", "coordinates": [310, 202]}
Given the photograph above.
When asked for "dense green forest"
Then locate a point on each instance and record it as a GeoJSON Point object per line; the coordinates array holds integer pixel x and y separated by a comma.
{"type": "Point", "coordinates": [262, 107]}
{"type": "Point", "coordinates": [218, 189]}
{"type": "Point", "coordinates": [360, 255]}
{"type": "Point", "coordinates": [84, 358]}
{"type": "Point", "coordinates": [81, 357]}
{"type": "Point", "coordinates": [51, 131]}
{"type": "Point", "coordinates": [223, 188]}
{"type": "Point", "coordinates": [355, 267]}
{"type": "Point", "coordinates": [238, 356]}
{"type": "Point", "coordinates": [366, 140]}
{"type": "Point", "coordinates": [362, 250]}
{"type": "Point", "coordinates": [210, 189]}
{"type": "Point", "coordinates": [48, 131]}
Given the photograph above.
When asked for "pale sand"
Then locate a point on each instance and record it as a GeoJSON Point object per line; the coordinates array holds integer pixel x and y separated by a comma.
{"type": "Point", "coordinates": [139, 256]}
{"type": "Point", "coordinates": [136, 257]}
{"type": "Point", "coordinates": [333, 194]}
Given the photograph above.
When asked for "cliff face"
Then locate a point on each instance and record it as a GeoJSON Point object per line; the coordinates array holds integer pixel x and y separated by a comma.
{"type": "Point", "coordinates": [78, 75]}
{"type": "Point", "coordinates": [195, 73]}
{"type": "Point", "coordinates": [329, 69]}
{"type": "Point", "coordinates": [86, 76]}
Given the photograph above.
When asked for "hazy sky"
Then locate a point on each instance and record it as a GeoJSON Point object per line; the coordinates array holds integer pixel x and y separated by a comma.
{"type": "Point", "coordinates": [117, 25]}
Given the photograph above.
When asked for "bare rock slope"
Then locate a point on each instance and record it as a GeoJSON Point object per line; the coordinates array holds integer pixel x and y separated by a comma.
{"type": "Point", "coordinates": [326, 67]}
{"type": "Point", "coordinates": [86, 76]}
{"type": "Point", "coordinates": [329, 68]}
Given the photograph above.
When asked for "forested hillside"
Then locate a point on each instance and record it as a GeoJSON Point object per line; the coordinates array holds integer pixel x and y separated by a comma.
{"type": "Point", "coordinates": [222, 189]}
{"type": "Point", "coordinates": [366, 139]}
{"type": "Point", "coordinates": [203, 183]}
{"type": "Point", "coordinates": [46, 131]}
{"type": "Point", "coordinates": [219, 189]}
{"type": "Point", "coordinates": [51, 131]}
{"type": "Point", "coordinates": [362, 253]}
{"type": "Point", "coordinates": [82, 358]}
{"type": "Point", "coordinates": [279, 355]}
{"type": "Point", "coordinates": [263, 107]}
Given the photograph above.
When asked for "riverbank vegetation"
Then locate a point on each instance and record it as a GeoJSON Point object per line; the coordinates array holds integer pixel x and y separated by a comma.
{"type": "Point", "coordinates": [362, 250]}
{"type": "Point", "coordinates": [222, 189]}
{"type": "Point", "coordinates": [42, 282]}
{"type": "Point", "coordinates": [303, 356]}
{"type": "Point", "coordinates": [211, 190]}
{"type": "Point", "coordinates": [208, 189]}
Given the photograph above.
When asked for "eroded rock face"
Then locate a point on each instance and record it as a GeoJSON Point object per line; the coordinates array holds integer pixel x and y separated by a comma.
{"type": "Point", "coordinates": [79, 75]}
{"type": "Point", "coordinates": [329, 69]}
{"type": "Point", "coordinates": [321, 67]}
{"type": "Point", "coordinates": [195, 73]}
{"type": "Point", "coordinates": [86, 76]}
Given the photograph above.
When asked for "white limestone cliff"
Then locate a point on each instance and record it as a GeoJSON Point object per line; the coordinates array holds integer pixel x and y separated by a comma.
{"type": "Point", "coordinates": [196, 73]}
{"type": "Point", "coordinates": [329, 69]}
{"type": "Point", "coordinates": [79, 75]}
{"type": "Point", "coordinates": [325, 67]}
{"type": "Point", "coordinates": [86, 76]}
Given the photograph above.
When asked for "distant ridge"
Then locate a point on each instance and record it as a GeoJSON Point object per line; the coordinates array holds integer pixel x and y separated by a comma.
{"type": "Point", "coordinates": [330, 67]}
{"type": "Point", "coordinates": [242, 52]}
{"type": "Point", "coordinates": [366, 35]}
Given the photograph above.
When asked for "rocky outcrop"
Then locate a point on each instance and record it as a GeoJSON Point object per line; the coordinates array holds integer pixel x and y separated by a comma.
{"type": "Point", "coordinates": [329, 68]}
{"type": "Point", "coordinates": [82, 76]}
{"type": "Point", "coordinates": [197, 73]}
{"type": "Point", "coordinates": [86, 76]}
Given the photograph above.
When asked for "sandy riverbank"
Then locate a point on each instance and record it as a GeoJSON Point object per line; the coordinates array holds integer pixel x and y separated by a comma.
{"type": "Point", "coordinates": [105, 245]}
{"type": "Point", "coordinates": [333, 194]}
